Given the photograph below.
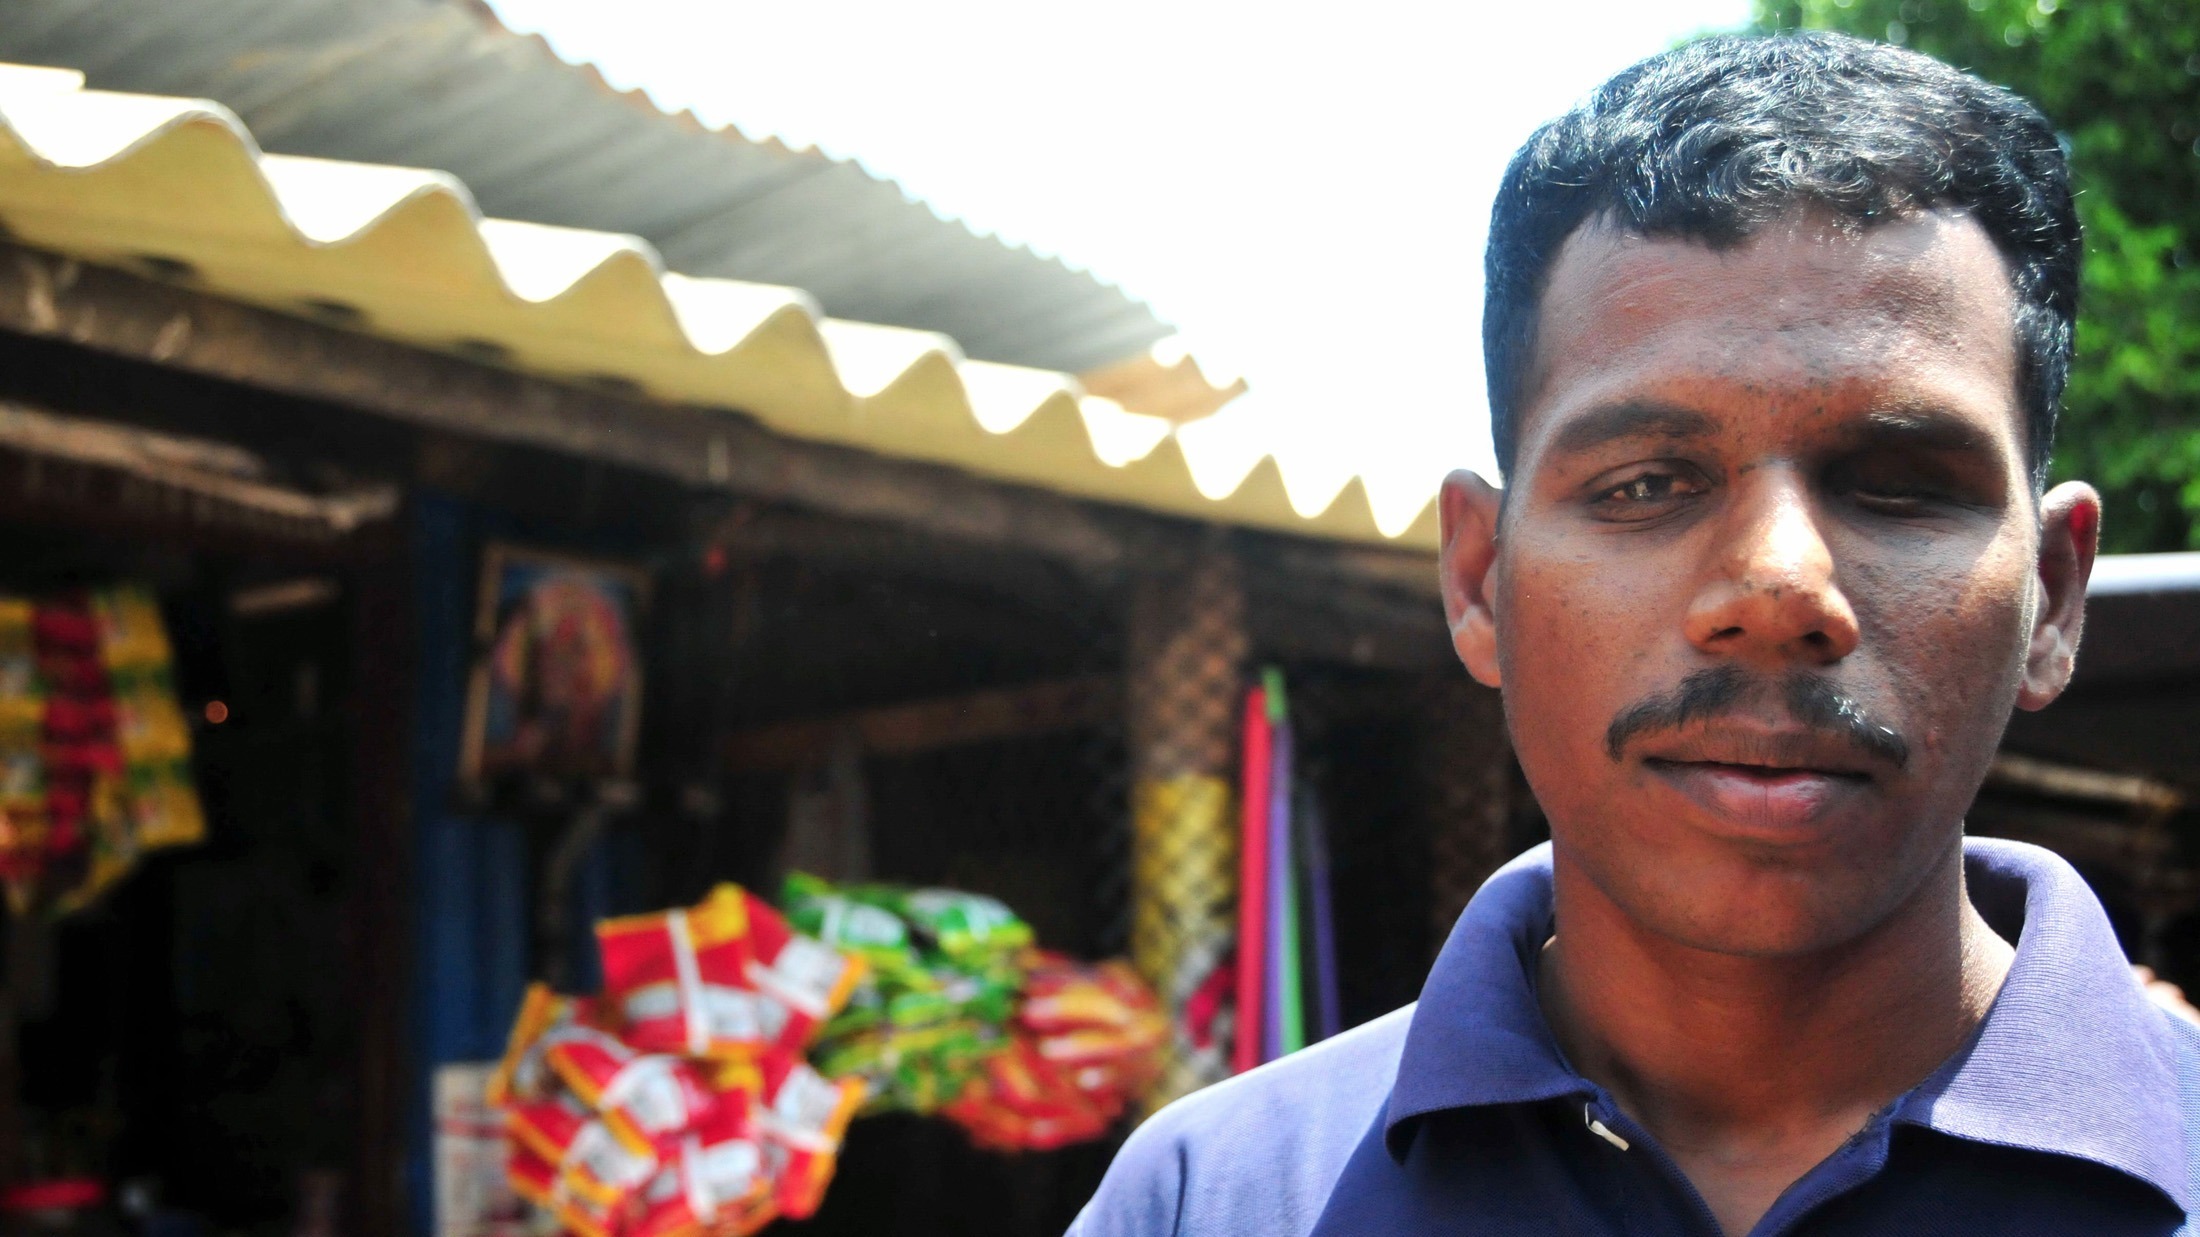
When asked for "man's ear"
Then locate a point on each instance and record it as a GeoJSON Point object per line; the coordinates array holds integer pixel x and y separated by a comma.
{"type": "Point", "coordinates": [2070, 532]}
{"type": "Point", "coordinates": [1468, 507]}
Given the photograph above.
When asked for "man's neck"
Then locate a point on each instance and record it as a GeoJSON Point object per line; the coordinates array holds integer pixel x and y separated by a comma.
{"type": "Point", "coordinates": [1751, 1070]}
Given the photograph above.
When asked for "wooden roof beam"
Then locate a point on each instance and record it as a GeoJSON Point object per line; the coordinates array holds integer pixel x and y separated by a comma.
{"type": "Point", "coordinates": [51, 297]}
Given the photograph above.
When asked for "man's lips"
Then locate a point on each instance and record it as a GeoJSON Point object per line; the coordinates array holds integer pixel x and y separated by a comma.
{"type": "Point", "coordinates": [1759, 797]}
{"type": "Point", "coordinates": [1766, 748]}
{"type": "Point", "coordinates": [1774, 782]}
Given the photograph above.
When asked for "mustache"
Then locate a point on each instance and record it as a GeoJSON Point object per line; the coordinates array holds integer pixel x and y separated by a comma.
{"type": "Point", "coordinates": [1813, 700]}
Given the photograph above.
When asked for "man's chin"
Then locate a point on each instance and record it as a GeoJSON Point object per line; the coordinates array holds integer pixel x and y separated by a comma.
{"type": "Point", "coordinates": [1738, 904]}
{"type": "Point", "coordinates": [1792, 936]}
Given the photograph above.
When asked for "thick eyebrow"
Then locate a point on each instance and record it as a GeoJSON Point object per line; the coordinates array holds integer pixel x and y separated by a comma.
{"type": "Point", "coordinates": [1922, 429]}
{"type": "Point", "coordinates": [1631, 419]}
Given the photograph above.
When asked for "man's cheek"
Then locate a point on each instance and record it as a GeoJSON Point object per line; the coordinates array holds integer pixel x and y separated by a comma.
{"type": "Point", "coordinates": [1570, 640]}
{"type": "Point", "coordinates": [1952, 642]}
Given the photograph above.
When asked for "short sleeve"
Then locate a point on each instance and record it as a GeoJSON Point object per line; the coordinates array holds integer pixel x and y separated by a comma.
{"type": "Point", "coordinates": [1143, 1193]}
{"type": "Point", "coordinates": [1256, 1153]}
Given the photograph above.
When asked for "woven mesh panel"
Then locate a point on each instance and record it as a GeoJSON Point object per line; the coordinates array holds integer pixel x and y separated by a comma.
{"type": "Point", "coordinates": [1466, 775]}
{"type": "Point", "coordinates": [1187, 655]}
{"type": "Point", "coordinates": [1187, 671]}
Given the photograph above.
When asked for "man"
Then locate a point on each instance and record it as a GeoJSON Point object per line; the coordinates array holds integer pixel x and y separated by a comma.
{"type": "Point", "coordinates": [1776, 330]}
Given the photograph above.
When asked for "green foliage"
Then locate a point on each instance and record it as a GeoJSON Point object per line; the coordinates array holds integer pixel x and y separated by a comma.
{"type": "Point", "coordinates": [2121, 81]}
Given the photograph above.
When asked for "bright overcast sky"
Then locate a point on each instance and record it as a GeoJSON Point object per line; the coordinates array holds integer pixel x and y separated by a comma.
{"type": "Point", "coordinates": [1301, 189]}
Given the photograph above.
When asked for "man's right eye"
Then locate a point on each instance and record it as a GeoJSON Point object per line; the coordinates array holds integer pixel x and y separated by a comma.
{"type": "Point", "coordinates": [1643, 495]}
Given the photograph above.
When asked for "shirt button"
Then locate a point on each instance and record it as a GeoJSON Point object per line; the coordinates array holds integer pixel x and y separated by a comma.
{"type": "Point", "coordinates": [1601, 1130]}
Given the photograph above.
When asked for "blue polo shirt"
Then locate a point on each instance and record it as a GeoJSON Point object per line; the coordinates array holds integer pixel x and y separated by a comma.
{"type": "Point", "coordinates": [2074, 1110]}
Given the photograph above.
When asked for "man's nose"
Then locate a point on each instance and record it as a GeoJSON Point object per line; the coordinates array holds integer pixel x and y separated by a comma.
{"type": "Point", "coordinates": [1769, 590]}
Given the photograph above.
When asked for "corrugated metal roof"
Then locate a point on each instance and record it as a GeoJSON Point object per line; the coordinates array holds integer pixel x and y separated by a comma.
{"type": "Point", "coordinates": [178, 188]}
{"type": "Point", "coordinates": [438, 83]}
{"type": "Point", "coordinates": [2121, 575]}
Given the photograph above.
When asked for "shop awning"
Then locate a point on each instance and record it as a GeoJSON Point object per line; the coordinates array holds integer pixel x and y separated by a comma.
{"type": "Point", "coordinates": [443, 84]}
{"type": "Point", "coordinates": [177, 188]}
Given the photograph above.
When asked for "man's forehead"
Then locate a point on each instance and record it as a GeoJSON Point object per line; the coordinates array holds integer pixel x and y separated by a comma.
{"type": "Point", "coordinates": [1806, 307]}
{"type": "Point", "coordinates": [1803, 265]}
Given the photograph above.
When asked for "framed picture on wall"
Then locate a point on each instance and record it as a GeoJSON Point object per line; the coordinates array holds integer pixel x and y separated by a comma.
{"type": "Point", "coordinates": [556, 688]}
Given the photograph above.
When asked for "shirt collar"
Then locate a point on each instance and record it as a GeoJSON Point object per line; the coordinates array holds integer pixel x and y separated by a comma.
{"type": "Point", "coordinates": [2072, 1059]}
{"type": "Point", "coordinates": [1478, 1036]}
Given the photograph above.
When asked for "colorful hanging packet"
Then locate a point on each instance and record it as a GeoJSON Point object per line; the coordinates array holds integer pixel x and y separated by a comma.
{"type": "Point", "coordinates": [654, 1101]}
{"type": "Point", "coordinates": [23, 819]}
{"type": "Point", "coordinates": [593, 1165]}
{"type": "Point", "coordinates": [536, 1180]}
{"type": "Point", "coordinates": [725, 978]}
{"type": "Point", "coordinates": [1022, 1102]}
{"type": "Point", "coordinates": [678, 981]}
{"type": "Point", "coordinates": [523, 1074]}
{"type": "Point", "coordinates": [801, 1123]}
{"type": "Point", "coordinates": [847, 923]}
{"type": "Point", "coordinates": [814, 907]}
{"type": "Point", "coordinates": [904, 1070]}
{"type": "Point", "coordinates": [77, 746]}
{"type": "Point", "coordinates": [1064, 995]}
{"type": "Point", "coordinates": [968, 932]}
{"type": "Point", "coordinates": [716, 1182]}
{"type": "Point", "coordinates": [921, 1022]}
{"type": "Point", "coordinates": [1086, 1041]}
{"type": "Point", "coordinates": [89, 834]}
{"type": "Point", "coordinates": [646, 1100]}
{"type": "Point", "coordinates": [1079, 1016]}
{"type": "Point", "coordinates": [811, 979]}
{"type": "Point", "coordinates": [22, 688]}
{"type": "Point", "coordinates": [973, 931]}
{"type": "Point", "coordinates": [150, 729]}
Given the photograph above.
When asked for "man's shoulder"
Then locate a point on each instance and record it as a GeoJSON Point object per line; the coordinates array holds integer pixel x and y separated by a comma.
{"type": "Point", "coordinates": [1253, 1154]}
{"type": "Point", "coordinates": [2184, 1040]}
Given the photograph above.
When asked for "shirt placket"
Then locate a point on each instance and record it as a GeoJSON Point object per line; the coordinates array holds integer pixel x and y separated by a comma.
{"type": "Point", "coordinates": [1856, 1162]}
{"type": "Point", "coordinates": [1655, 1199]}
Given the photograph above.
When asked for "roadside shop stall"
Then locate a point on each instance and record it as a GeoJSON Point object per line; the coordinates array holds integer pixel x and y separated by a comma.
{"type": "Point", "coordinates": [518, 593]}
{"type": "Point", "coordinates": [188, 847]}
{"type": "Point", "coordinates": [617, 587]}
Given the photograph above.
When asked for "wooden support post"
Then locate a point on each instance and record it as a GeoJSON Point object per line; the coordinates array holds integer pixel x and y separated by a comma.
{"type": "Point", "coordinates": [382, 898]}
{"type": "Point", "coordinates": [1466, 792]}
{"type": "Point", "coordinates": [1188, 653]}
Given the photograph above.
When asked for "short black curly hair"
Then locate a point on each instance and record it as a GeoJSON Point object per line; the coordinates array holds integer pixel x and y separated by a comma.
{"type": "Point", "coordinates": [1714, 139]}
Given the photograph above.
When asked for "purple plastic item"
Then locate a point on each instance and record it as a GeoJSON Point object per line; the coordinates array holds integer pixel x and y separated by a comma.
{"type": "Point", "coordinates": [1314, 838]}
{"type": "Point", "coordinates": [1283, 954]}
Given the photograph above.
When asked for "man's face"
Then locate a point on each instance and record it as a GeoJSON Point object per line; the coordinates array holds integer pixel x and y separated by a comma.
{"type": "Point", "coordinates": [1765, 587]}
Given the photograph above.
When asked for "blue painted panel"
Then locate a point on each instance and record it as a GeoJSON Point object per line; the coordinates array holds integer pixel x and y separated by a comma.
{"type": "Point", "coordinates": [472, 876]}
{"type": "Point", "coordinates": [502, 937]}
{"type": "Point", "coordinates": [445, 856]}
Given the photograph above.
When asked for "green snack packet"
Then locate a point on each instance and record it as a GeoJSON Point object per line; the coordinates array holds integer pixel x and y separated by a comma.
{"type": "Point", "coordinates": [861, 1055]}
{"type": "Point", "coordinates": [994, 999]}
{"type": "Point", "coordinates": [853, 1020]}
{"type": "Point", "coordinates": [945, 968]}
{"type": "Point", "coordinates": [923, 1008]}
{"type": "Point", "coordinates": [971, 929]}
{"type": "Point", "coordinates": [814, 907]}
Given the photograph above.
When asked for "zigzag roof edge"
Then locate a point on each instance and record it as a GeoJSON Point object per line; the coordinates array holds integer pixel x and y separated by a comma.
{"type": "Point", "coordinates": [539, 298]}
